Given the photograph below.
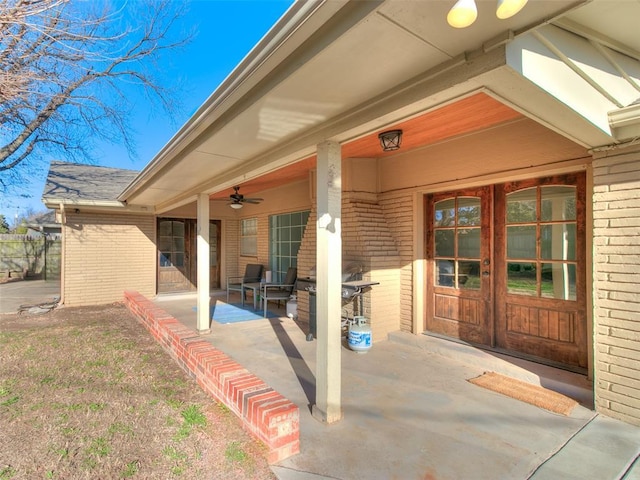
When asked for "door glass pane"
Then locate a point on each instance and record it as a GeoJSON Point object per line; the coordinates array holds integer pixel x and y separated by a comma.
{"type": "Point", "coordinates": [164, 244]}
{"type": "Point", "coordinates": [445, 213]}
{"type": "Point", "coordinates": [468, 211]}
{"type": "Point", "coordinates": [521, 279]}
{"type": "Point", "coordinates": [165, 259]}
{"type": "Point", "coordinates": [445, 246]}
{"type": "Point", "coordinates": [558, 281]}
{"type": "Point", "coordinates": [521, 242]}
{"type": "Point", "coordinates": [469, 275]}
{"type": "Point", "coordinates": [457, 238]}
{"type": "Point", "coordinates": [445, 273]}
{"type": "Point", "coordinates": [178, 229]}
{"type": "Point", "coordinates": [164, 228]}
{"type": "Point", "coordinates": [558, 203]}
{"type": "Point", "coordinates": [521, 206]}
{"type": "Point", "coordinates": [558, 241]}
{"type": "Point", "coordinates": [469, 242]}
{"type": "Point", "coordinates": [178, 244]}
{"type": "Point", "coordinates": [213, 244]}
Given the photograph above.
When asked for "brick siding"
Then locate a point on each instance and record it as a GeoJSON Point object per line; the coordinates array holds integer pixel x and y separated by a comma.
{"type": "Point", "coordinates": [106, 253]}
{"type": "Point", "coordinates": [398, 212]}
{"type": "Point", "coordinates": [616, 301]}
{"type": "Point", "coordinates": [266, 414]}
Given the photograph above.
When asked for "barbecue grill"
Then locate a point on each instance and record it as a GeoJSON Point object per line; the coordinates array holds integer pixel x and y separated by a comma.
{"type": "Point", "coordinates": [353, 287]}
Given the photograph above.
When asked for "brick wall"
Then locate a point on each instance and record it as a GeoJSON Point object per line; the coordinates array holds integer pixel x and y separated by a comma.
{"type": "Point", "coordinates": [231, 249]}
{"type": "Point", "coordinates": [105, 254]}
{"type": "Point", "coordinates": [616, 266]}
{"type": "Point", "coordinates": [264, 413]}
{"type": "Point", "coordinates": [398, 212]}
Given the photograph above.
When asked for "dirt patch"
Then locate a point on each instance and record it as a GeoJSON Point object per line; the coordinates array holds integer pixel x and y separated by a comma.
{"type": "Point", "coordinates": [87, 393]}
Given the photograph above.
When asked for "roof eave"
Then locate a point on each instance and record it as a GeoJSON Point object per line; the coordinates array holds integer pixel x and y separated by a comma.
{"type": "Point", "coordinates": [295, 18]}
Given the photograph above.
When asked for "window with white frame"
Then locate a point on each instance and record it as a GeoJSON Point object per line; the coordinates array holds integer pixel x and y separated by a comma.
{"type": "Point", "coordinates": [249, 237]}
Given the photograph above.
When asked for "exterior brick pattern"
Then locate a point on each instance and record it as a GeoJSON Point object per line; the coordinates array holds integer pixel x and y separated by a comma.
{"type": "Point", "coordinates": [266, 414]}
{"type": "Point", "coordinates": [231, 250]}
{"type": "Point", "coordinates": [105, 253]}
{"type": "Point", "coordinates": [398, 212]}
{"type": "Point", "coordinates": [616, 264]}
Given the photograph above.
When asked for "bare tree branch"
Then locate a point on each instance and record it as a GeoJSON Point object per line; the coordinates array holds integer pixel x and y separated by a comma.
{"type": "Point", "coordinates": [67, 69]}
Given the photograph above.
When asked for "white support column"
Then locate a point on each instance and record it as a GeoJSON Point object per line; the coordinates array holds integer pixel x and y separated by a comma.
{"type": "Point", "coordinates": [203, 308]}
{"type": "Point", "coordinates": [328, 283]}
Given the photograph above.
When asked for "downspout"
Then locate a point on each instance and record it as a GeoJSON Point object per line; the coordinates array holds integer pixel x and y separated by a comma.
{"type": "Point", "coordinates": [63, 249]}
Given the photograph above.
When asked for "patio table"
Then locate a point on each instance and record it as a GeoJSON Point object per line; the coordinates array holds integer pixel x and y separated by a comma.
{"type": "Point", "coordinates": [255, 288]}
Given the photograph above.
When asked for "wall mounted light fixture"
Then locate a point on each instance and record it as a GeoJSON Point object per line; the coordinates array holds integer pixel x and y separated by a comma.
{"type": "Point", "coordinates": [390, 140]}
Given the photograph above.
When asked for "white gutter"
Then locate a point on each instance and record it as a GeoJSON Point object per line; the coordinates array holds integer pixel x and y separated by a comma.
{"type": "Point", "coordinates": [625, 122]}
{"type": "Point", "coordinates": [290, 22]}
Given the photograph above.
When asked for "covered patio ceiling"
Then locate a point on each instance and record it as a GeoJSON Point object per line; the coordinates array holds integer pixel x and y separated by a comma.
{"type": "Point", "coordinates": [473, 113]}
{"type": "Point", "coordinates": [345, 71]}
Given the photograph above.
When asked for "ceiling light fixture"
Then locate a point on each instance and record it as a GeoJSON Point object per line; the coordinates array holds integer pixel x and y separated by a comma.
{"type": "Point", "coordinates": [465, 12]}
{"type": "Point", "coordinates": [390, 140]}
{"type": "Point", "coordinates": [508, 8]}
{"type": "Point", "coordinates": [236, 205]}
{"type": "Point", "coordinates": [462, 14]}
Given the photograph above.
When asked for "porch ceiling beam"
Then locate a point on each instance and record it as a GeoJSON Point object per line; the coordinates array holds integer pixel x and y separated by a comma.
{"type": "Point", "coordinates": [596, 37]}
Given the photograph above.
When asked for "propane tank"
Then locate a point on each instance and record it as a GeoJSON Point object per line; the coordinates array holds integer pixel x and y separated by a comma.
{"type": "Point", "coordinates": [359, 335]}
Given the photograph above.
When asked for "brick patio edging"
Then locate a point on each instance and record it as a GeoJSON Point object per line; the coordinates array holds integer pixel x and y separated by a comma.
{"type": "Point", "coordinates": [264, 413]}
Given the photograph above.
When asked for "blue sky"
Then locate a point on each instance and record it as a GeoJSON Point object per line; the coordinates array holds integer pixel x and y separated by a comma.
{"type": "Point", "coordinates": [226, 30]}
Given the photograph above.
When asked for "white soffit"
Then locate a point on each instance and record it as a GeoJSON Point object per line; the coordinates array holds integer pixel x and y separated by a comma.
{"type": "Point", "coordinates": [374, 57]}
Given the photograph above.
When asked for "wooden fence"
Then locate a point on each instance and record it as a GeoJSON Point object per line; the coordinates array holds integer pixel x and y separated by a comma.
{"type": "Point", "coordinates": [30, 256]}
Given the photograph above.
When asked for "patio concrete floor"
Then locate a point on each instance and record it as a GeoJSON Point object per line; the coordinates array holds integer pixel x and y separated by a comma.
{"type": "Point", "coordinates": [410, 413]}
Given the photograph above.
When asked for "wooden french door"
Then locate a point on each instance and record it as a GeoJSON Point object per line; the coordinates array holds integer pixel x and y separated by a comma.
{"type": "Point", "coordinates": [177, 259]}
{"type": "Point", "coordinates": [459, 247]}
{"type": "Point", "coordinates": [506, 268]}
{"type": "Point", "coordinates": [541, 257]}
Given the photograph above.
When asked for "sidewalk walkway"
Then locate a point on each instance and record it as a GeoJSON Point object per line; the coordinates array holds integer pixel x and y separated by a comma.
{"type": "Point", "coordinates": [26, 292]}
{"type": "Point", "coordinates": [410, 413]}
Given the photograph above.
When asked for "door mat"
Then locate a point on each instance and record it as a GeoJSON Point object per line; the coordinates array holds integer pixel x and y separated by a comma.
{"type": "Point", "coordinates": [229, 313]}
{"type": "Point", "coordinates": [526, 392]}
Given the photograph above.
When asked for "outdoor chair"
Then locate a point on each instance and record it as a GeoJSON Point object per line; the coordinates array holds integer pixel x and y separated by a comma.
{"type": "Point", "coordinates": [279, 291]}
{"type": "Point", "coordinates": [252, 274]}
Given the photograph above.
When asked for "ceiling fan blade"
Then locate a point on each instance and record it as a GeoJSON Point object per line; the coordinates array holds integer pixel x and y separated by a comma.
{"type": "Point", "coordinates": [237, 197]}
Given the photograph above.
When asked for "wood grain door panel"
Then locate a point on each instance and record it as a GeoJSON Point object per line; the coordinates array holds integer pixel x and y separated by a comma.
{"type": "Point", "coordinates": [552, 329]}
{"type": "Point", "coordinates": [459, 286]}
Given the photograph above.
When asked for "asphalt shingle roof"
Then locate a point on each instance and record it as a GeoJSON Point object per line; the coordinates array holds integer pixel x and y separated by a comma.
{"type": "Point", "coordinates": [78, 182]}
